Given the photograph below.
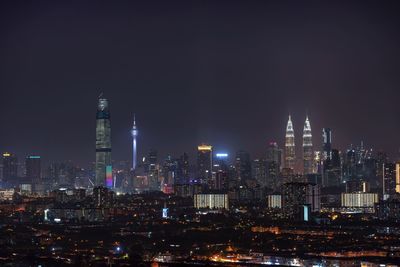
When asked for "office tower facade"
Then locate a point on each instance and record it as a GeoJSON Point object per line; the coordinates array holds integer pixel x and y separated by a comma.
{"type": "Point", "coordinates": [220, 162]}
{"type": "Point", "coordinates": [297, 195]}
{"type": "Point", "coordinates": [103, 145]}
{"type": "Point", "coordinates": [242, 166]}
{"type": "Point", "coordinates": [326, 143]}
{"type": "Point", "coordinates": [169, 175]}
{"type": "Point", "coordinates": [308, 153]}
{"type": "Point", "coordinates": [332, 170]}
{"type": "Point", "coordinates": [221, 171]}
{"type": "Point", "coordinates": [349, 164]}
{"type": "Point", "coordinates": [221, 180]}
{"type": "Point", "coordinates": [134, 133]}
{"type": "Point", "coordinates": [182, 171]}
{"type": "Point", "coordinates": [151, 169]}
{"type": "Point", "coordinates": [259, 172]}
{"type": "Point", "coordinates": [10, 166]}
{"type": "Point", "coordinates": [290, 149]}
{"type": "Point", "coordinates": [273, 162]}
{"type": "Point", "coordinates": [33, 169]}
{"type": "Point", "coordinates": [388, 179]}
{"type": "Point", "coordinates": [204, 163]}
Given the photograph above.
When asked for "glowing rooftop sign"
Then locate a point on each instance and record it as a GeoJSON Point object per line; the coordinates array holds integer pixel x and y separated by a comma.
{"type": "Point", "coordinates": [204, 147]}
{"type": "Point", "coordinates": [221, 155]}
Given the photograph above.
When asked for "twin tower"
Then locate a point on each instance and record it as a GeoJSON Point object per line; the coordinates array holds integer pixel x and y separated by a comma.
{"type": "Point", "coordinates": [290, 148]}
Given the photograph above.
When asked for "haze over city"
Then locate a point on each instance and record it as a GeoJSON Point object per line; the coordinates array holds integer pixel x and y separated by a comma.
{"type": "Point", "coordinates": [226, 73]}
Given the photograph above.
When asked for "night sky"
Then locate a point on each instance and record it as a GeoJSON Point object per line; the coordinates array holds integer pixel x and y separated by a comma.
{"type": "Point", "coordinates": [225, 73]}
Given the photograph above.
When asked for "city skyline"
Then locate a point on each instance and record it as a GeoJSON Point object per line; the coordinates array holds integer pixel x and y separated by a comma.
{"type": "Point", "coordinates": [200, 133]}
{"type": "Point", "coordinates": [260, 153]}
{"type": "Point", "coordinates": [59, 74]}
{"type": "Point", "coordinates": [230, 151]}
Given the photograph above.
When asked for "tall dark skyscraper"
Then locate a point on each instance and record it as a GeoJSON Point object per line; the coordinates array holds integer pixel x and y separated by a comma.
{"type": "Point", "coordinates": [243, 166]}
{"type": "Point", "coordinates": [103, 145]}
{"type": "Point", "coordinates": [290, 151]}
{"type": "Point", "coordinates": [10, 166]}
{"type": "Point", "coordinates": [273, 165]}
{"type": "Point", "coordinates": [326, 143]}
{"type": "Point", "coordinates": [308, 153]}
{"type": "Point", "coordinates": [33, 169]}
{"type": "Point", "coordinates": [183, 169]}
{"type": "Point", "coordinates": [258, 171]}
{"type": "Point", "coordinates": [388, 180]}
{"type": "Point", "coordinates": [151, 170]}
{"type": "Point", "coordinates": [204, 163]}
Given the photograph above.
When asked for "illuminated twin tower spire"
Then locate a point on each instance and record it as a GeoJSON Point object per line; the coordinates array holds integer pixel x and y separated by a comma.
{"type": "Point", "coordinates": [290, 147]}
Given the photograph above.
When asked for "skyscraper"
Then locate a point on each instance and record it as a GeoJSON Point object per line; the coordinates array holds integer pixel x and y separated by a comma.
{"type": "Point", "coordinates": [290, 153]}
{"type": "Point", "coordinates": [33, 169]}
{"type": "Point", "coordinates": [308, 161]}
{"type": "Point", "coordinates": [10, 166]}
{"type": "Point", "coordinates": [273, 166]}
{"type": "Point", "coordinates": [103, 145]}
{"type": "Point", "coordinates": [182, 169]}
{"type": "Point", "coordinates": [389, 176]}
{"type": "Point", "coordinates": [134, 133]}
{"type": "Point", "coordinates": [258, 171]}
{"type": "Point", "coordinates": [151, 169]}
{"type": "Point", "coordinates": [243, 166]}
{"type": "Point", "coordinates": [326, 143]}
{"type": "Point", "coordinates": [204, 163]}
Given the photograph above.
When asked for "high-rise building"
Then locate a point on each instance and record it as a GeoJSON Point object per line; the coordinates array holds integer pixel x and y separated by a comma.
{"type": "Point", "coordinates": [242, 166]}
{"type": "Point", "coordinates": [335, 159]}
{"type": "Point", "coordinates": [220, 162]}
{"type": "Point", "coordinates": [204, 163]}
{"type": "Point", "coordinates": [221, 171]}
{"type": "Point", "coordinates": [388, 179]}
{"type": "Point", "coordinates": [103, 145]}
{"type": "Point", "coordinates": [10, 166]}
{"type": "Point", "coordinates": [259, 171]}
{"type": "Point", "coordinates": [308, 161]}
{"type": "Point", "coordinates": [297, 195]}
{"type": "Point", "coordinates": [151, 169]}
{"type": "Point", "coordinates": [274, 153]}
{"type": "Point", "coordinates": [381, 159]}
{"type": "Point", "coordinates": [169, 170]}
{"type": "Point", "coordinates": [326, 143]}
{"type": "Point", "coordinates": [134, 133]}
{"type": "Point", "coordinates": [273, 164]}
{"type": "Point", "coordinates": [221, 180]}
{"type": "Point", "coordinates": [33, 169]}
{"type": "Point", "coordinates": [182, 171]}
{"type": "Point", "coordinates": [290, 150]}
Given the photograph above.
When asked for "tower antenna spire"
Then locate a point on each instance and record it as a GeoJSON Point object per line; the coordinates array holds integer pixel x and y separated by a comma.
{"type": "Point", "coordinates": [134, 132]}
